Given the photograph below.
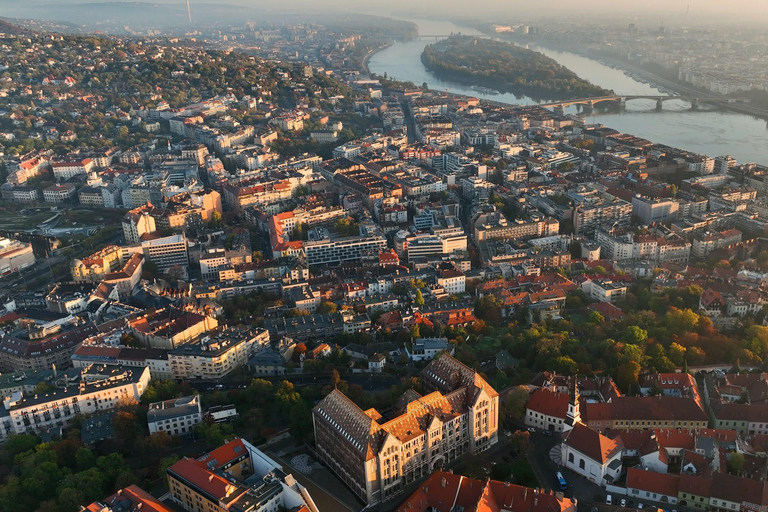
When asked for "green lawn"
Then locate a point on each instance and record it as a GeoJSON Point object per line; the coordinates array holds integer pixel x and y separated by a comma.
{"type": "Point", "coordinates": [523, 473]}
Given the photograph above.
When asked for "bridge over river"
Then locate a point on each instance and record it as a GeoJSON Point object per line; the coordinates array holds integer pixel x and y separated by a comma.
{"type": "Point", "coordinates": [588, 104]}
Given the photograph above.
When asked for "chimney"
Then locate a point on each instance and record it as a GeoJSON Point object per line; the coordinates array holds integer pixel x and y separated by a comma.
{"type": "Point", "coordinates": [443, 482]}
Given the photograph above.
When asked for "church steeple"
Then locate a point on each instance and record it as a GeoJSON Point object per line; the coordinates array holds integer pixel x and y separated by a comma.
{"type": "Point", "coordinates": [573, 416]}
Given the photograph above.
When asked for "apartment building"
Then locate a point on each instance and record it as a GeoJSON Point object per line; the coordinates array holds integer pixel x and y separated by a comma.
{"type": "Point", "coordinates": [57, 194]}
{"type": "Point", "coordinates": [95, 267]}
{"type": "Point", "coordinates": [177, 416]}
{"type": "Point", "coordinates": [604, 290]}
{"type": "Point", "coordinates": [328, 250]}
{"type": "Point", "coordinates": [138, 222]}
{"type": "Point", "coordinates": [100, 387]}
{"type": "Point", "coordinates": [236, 477]}
{"type": "Point", "coordinates": [377, 458]}
{"type": "Point", "coordinates": [166, 252]}
{"type": "Point", "coordinates": [493, 225]}
{"type": "Point", "coordinates": [588, 217]}
{"type": "Point", "coordinates": [65, 170]}
{"type": "Point", "coordinates": [217, 353]}
{"type": "Point", "coordinates": [14, 256]}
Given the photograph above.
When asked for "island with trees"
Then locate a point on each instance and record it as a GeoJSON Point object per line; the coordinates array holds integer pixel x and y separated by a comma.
{"type": "Point", "coordinates": [506, 67]}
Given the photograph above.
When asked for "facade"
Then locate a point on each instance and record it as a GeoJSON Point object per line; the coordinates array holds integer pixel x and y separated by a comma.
{"type": "Point", "coordinates": [168, 328]}
{"type": "Point", "coordinates": [136, 223]}
{"type": "Point", "coordinates": [655, 210]}
{"type": "Point", "coordinates": [378, 458]}
{"type": "Point", "coordinates": [587, 218]}
{"type": "Point", "coordinates": [604, 290]}
{"type": "Point", "coordinates": [57, 194]}
{"type": "Point", "coordinates": [101, 387]}
{"type": "Point", "coordinates": [217, 354]}
{"type": "Point", "coordinates": [43, 346]}
{"type": "Point", "coordinates": [166, 253]}
{"type": "Point", "coordinates": [453, 281]}
{"type": "Point", "coordinates": [177, 416]}
{"type": "Point", "coordinates": [65, 170]}
{"type": "Point", "coordinates": [547, 410]}
{"type": "Point", "coordinates": [14, 256]}
{"type": "Point", "coordinates": [636, 412]}
{"type": "Point", "coordinates": [592, 455]}
{"type": "Point", "coordinates": [236, 477]}
{"type": "Point", "coordinates": [425, 349]}
{"type": "Point", "coordinates": [321, 252]}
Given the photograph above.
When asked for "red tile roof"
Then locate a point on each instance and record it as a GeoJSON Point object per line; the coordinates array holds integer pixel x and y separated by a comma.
{"type": "Point", "coordinates": [659, 483]}
{"type": "Point", "coordinates": [592, 444]}
{"type": "Point", "coordinates": [135, 496]}
{"type": "Point", "coordinates": [549, 403]}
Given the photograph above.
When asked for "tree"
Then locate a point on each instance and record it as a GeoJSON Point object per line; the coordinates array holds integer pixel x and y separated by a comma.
{"type": "Point", "coordinates": [327, 306]}
{"type": "Point", "coordinates": [634, 334]}
{"type": "Point", "coordinates": [735, 463]}
{"type": "Point", "coordinates": [85, 459]}
{"type": "Point", "coordinates": [418, 298]}
{"type": "Point", "coordinates": [520, 440]}
{"type": "Point", "coordinates": [515, 402]}
{"type": "Point", "coordinates": [301, 421]}
{"type": "Point", "coordinates": [626, 376]}
{"type": "Point", "coordinates": [43, 388]}
{"type": "Point", "coordinates": [695, 356]}
{"type": "Point", "coordinates": [299, 350]}
{"type": "Point", "coordinates": [565, 365]}
{"type": "Point", "coordinates": [166, 463]}
{"type": "Point", "coordinates": [286, 393]}
{"type": "Point", "coordinates": [676, 353]}
{"type": "Point", "coordinates": [215, 221]}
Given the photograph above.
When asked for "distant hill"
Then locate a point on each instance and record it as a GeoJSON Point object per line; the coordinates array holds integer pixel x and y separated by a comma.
{"type": "Point", "coordinates": [10, 28]}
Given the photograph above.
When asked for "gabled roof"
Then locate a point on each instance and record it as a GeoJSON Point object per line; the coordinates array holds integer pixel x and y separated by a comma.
{"type": "Point", "coordinates": [362, 431]}
{"type": "Point", "coordinates": [592, 444]}
{"type": "Point", "coordinates": [549, 403]}
{"type": "Point", "coordinates": [659, 483]}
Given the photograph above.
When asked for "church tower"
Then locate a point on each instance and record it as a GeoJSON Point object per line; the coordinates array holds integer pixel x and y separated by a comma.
{"type": "Point", "coordinates": [573, 416]}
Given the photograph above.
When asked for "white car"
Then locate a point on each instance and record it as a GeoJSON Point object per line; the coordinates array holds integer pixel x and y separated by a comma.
{"type": "Point", "coordinates": [623, 502]}
{"type": "Point", "coordinates": [639, 506]}
{"type": "Point", "coordinates": [608, 500]}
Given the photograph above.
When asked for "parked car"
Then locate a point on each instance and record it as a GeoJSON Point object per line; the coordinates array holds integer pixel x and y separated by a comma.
{"type": "Point", "coordinates": [506, 459]}
{"type": "Point", "coordinates": [630, 503]}
{"type": "Point", "coordinates": [547, 433]}
{"type": "Point", "coordinates": [532, 429]}
{"type": "Point", "coordinates": [608, 500]}
{"type": "Point", "coordinates": [639, 506]}
{"type": "Point", "coordinates": [623, 502]}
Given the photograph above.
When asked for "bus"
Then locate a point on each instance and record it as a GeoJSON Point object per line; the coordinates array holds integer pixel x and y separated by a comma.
{"type": "Point", "coordinates": [561, 481]}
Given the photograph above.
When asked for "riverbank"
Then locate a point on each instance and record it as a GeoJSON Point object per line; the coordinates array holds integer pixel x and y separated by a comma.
{"type": "Point", "coordinates": [674, 86]}
{"type": "Point", "coordinates": [371, 53]}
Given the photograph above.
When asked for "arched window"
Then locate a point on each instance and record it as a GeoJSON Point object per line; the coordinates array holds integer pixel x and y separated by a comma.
{"type": "Point", "coordinates": [581, 463]}
{"type": "Point", "coordinates": [570, 457]}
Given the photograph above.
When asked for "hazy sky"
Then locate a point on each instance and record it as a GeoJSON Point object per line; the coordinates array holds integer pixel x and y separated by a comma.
{"type": "Point", "coordinates": [747, 9]}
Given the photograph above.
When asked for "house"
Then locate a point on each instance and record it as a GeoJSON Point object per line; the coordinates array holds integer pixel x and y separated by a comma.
{"type": "Point", "coordinates": [425, 349]}
{"type": "Point", "coordinates": [592, 455]}
{"type": "Point", "coordinates": [649, 485]}
{"type": "Point", "coordinates": [267, 362]}
{"type": "Point", "coordinates": [376, 363]}
{"type": "Point", "coordinates": [177, 416]}
{"type": "Point", "coordinates": [547, 409]}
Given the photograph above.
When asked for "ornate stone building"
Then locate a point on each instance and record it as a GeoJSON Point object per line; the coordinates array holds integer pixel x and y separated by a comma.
{"type": "Point", "coordinates": [377, 457]}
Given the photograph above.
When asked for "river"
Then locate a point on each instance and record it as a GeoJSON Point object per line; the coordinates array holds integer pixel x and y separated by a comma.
{"type": "Point", "coordinates": [707, 130]}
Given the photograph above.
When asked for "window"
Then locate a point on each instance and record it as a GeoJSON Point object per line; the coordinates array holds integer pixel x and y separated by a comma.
{"type": "Point", "coordinates": [570, 457]}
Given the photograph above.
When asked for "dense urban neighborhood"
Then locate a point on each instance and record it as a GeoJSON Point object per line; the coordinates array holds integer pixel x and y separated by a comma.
{"type": "Point", "coordinates": [266, 279]}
